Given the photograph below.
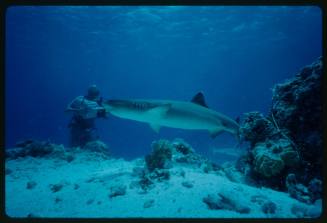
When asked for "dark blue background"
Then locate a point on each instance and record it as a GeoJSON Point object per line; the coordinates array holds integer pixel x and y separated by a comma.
{"type": "Point", "coordinates": [233, 54]}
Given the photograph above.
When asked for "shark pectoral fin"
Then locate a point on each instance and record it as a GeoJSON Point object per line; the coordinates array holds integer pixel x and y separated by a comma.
{"type": "Point", "coordinates": [155, 127]}
{"type": "Point", "coordinates": [159, 111]}
{"type": "Point", "coordinates": [215, 132]}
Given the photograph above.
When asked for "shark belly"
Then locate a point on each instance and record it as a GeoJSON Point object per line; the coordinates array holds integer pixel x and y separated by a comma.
{"type": "Point", "coordinates": [189, 118]}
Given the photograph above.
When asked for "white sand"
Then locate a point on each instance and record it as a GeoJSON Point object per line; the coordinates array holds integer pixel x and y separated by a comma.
{"type": "Point", "coordinates": [95, 176]}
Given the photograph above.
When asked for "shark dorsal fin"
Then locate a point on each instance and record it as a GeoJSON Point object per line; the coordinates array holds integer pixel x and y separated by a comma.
{"type": "Point", "coordinates": [199, 99]}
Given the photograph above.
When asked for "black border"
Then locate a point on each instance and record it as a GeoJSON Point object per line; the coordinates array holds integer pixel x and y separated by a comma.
{"type": "Point", "coordinates": [7, 3]}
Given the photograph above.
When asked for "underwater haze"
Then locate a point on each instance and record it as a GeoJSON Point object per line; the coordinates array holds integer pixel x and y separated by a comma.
{"type": "Point", "coordinates": [234, 55]}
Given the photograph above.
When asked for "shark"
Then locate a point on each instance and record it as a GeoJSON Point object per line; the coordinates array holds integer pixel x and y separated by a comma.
{"type": "Point", "coordinates": [191, 115]}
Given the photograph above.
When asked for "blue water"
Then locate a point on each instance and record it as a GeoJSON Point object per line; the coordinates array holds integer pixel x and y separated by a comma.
{"type": "Point", "coordinates": [233, 54]}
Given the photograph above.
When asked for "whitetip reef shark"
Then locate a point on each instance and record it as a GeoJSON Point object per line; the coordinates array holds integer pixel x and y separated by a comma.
{"type": "Point", "coordinates": [194, 115]}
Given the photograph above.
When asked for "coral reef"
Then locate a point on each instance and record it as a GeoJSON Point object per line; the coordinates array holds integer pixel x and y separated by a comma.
{"type": "Point", "coordinates": [297, 109]}
{"type": "Point", "coordinates": [289, 139]}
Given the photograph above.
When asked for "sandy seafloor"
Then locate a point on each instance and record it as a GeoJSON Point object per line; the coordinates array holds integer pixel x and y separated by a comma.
{"type": "Point", "coordinates": [88, 178]}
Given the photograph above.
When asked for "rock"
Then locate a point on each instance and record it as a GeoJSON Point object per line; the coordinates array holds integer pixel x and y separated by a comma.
{"type": "Point", "coordinates": [58, 199]}
{"type": "Point", "coordinates": [89, 201]}
{"type": "Point", "coordinates": [15, 153]}
{"type": "Point", "coordinates": [234, 175]}
{"type": "Point", "coordinates": [35, 148]}
{"type": "Point", "coordinates": [160, 175]}
{"type": "Point", "coordinates": [97, 146]}
{"type": "Point", "coordinates": [56, 187]}
{"type": "Point", "coordinates": [148, 203]}
{"type": "Point", "coordinates": [24, 143]}
{"type": "Point", "coordinates": [31, 184]}
{"type": "Point", "coordinates": [299, 211]}
{"type": "Point", "coordinates": [118, 190]}
{"type": "Point", "coordinates": [76, 186]}
{"type": "Point", "coordinates": [259, 199]}
{"type": "Point", "coordinates": [296, 190]}
{"type": "Point", "coordinates": [146, 183]}
{"type": "Point", "coordinates": [214, 201]}
{"type": "Point", "coordinates": [160, 156]}
{"type": "Point", "coordinates": [219, 201]}
{"type": "Point", "coordinates": [69, 158]}
{"type": "Point", "coordinates": [315, 189]}
{"type": "Point", "coordinates": [269, 207]}
{"type": "Point", "coordinates": [187, 184]}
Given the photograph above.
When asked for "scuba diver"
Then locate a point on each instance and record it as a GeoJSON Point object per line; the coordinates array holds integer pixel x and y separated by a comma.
{"type": "Point", "coordinates": [85, 110]}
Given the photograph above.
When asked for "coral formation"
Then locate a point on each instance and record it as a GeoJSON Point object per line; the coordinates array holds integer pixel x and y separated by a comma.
{"type": "Point", "coordinates": [256, 128]}
{"type": "Point", "coordinates": [160, 156]}
{"type": "Point", "coordinates": [289, 138]}
{"type": "Point", "coordinates": [271, 157]}
{"type": "Point", "coordinates": [297, 108]}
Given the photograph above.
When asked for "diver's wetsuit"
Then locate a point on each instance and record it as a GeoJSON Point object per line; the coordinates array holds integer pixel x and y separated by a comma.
{"type": "Point", "coordinates": [82, 125]}
{"type": "Point", "coordinates": [82, 131]}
